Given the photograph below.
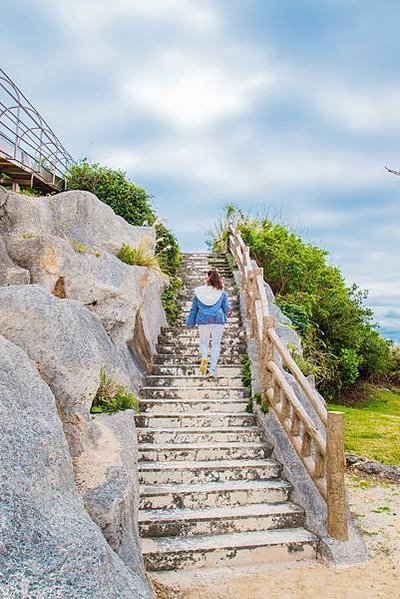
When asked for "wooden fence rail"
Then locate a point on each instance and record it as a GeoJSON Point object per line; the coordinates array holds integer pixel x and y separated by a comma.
{"type": "Point", "coordinates": [322, 456]}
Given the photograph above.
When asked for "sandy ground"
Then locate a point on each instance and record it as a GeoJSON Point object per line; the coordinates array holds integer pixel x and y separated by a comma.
{"type": "Point", "coordinates": [376, 509]}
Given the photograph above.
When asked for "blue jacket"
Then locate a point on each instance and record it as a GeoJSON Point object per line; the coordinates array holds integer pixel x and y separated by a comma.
{"type": "Point", "coordinates": [209, 306]}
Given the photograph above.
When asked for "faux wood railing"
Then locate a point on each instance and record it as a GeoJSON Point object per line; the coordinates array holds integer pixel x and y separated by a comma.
{"type": "Point", "coordinates": [322, 455]}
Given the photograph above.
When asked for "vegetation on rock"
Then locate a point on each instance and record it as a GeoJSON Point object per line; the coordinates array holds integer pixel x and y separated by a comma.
{"type": "Point", "coordinates": [132, 203]}
{"type": "Point", "coordinates": [112, 397]}
{"type": "Point", "coordinates": [141, 255]}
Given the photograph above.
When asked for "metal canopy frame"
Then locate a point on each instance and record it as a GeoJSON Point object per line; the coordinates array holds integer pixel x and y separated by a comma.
{"type": "Point", "coordinates": [29, 149]}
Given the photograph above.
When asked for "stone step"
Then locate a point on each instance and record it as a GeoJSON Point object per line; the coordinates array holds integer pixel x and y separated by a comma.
{"type": "Point", "coordinates": [189, 337]}
{"type": "Point", "coordinates": [207, 471]}
{"type": "Point", "coordinates": [237, 549]}
{"type": "Point", "coordinates": [196, 395]}
{"type": "Point", "coordinates": [193, 370]}
{"type": "Point", "coordinates": [196, 265]}
{"type": "Point", "coordinates": [158, 452]}
{"type": "Point", "coordinates": [186, 292]}
{"type": "Point", "coordinates": [196, 406]}
{"type": "Point", "coordinates": [189, 348]}
{"type": "Point", "coordinates": [199, 435]}
{"type": "Point", "coordinates": [220, 520]}
{"type": "Point", "coordinates": [156, 380]}
{"type": "Point", "coordinates": [215, 494]}
{"type": "Point", "coordinates": [192, 419]}
{"type": "Point", "coordinates": [181, 321]}
{"type": "Point", "coordinates": [173, 359]}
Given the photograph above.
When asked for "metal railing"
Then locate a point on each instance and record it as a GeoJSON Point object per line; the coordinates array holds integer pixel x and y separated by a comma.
{"type": "Point", "coordinates": [321, 454]}
{"type": "Point", "coordinates": [26, 140]}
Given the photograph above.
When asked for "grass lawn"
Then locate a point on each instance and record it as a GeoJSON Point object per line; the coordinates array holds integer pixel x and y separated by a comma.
{"type": "Point", "coordinates": [373, 429]}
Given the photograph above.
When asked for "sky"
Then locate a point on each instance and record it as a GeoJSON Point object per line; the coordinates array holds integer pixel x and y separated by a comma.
{"type": "Point", "coordinates": [285, 106]}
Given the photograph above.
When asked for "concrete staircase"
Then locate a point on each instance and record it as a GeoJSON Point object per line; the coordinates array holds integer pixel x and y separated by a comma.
{"type": "Point", "coordinates": [210, 494]}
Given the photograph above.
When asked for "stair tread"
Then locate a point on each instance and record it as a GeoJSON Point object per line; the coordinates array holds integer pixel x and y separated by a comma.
{"type": "Point", "coordinates": [236, 485]}
{"type": "Point", "coordinates": [192, 414]}
{"type": "Point", "coordinates": [205, 464]}
{"type": "Point", "coordinates": [199, 429]}
{"type": "Point", "coordinates": [237, 511]}
{"type": "Point", "coordinates": [193, 400]}
{"type": "Point", "coordinates": [215, 445]}
{"type": "Point", "coordinates": [281, 536]}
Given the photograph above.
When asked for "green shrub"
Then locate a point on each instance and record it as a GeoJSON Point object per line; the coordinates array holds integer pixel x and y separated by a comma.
{"type": "Point", "coordinates": [112, 397]}
{"type": "Point", "coordinates": [340, 342]}
{"type": "Point", "coordinates": [246, 371]}
{"type": "Point", "coordinates": [134, 205]}
{"type": "Point", "coordinates": [113, 188]}
{"type": "Point", "coordinates": [128, 200]}
{"type": "Point", "coordinates": [169, 302]}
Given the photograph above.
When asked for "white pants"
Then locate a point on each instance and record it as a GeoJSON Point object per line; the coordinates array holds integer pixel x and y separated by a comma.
{"type": "Point", "coordinates": [213, 331]}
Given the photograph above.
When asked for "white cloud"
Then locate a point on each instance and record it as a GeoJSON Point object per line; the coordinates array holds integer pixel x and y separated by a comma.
{"type": "Point", "coordinates": [360, 110]}
{"type": "Point", "coordinates": [185, 90]}
{"type": "Point", "coordinates": [221, 163]}
{"type": "Point", "coordinates": [89, 16]}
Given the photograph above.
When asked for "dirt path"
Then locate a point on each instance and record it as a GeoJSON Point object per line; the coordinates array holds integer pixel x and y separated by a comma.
{"type": "Point", "coordinates": [376, 507]}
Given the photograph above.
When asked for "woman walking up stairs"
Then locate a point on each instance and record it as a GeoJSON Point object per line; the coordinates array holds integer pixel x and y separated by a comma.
{"type": "Point", "coordinates": [209, 310]}
{"type": "Point", "coordinates": [210, 494]}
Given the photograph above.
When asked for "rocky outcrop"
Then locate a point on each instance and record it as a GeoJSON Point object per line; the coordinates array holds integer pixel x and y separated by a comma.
{"type": "Point", "coordinates": [50, 547]}
{"type": "Point", "coordinates": [72, 215]}
{"type": "Point", "coordinates": [67, 243]}
{"type": "Point", "coordinates": [10, 273]}
{"type": "Point", "coordinates": [107, 479]}
{"type": "Point", "coordinates": [70, 347]}
{"type": "Point", "coordinates": [74, 308]}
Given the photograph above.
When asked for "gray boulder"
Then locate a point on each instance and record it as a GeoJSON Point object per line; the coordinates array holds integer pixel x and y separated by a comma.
{"type": "Point", "coordinates": [49, 546]}
{"type": "Point", "coordinates": [10, 273]}
{"type": "Point", "coordinates": [69, 346]}
{"type": "Point", "coordinates": [73, 215]}
{"type": "Point", "coordinates": [67, 243]}
{"type": "Point", "coordinates": [107, 480]}
{"type": "Point", "coordinates": [113, 290]}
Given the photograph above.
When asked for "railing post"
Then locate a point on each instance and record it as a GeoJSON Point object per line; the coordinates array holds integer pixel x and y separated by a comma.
{"type": "Point", "coordinates": [266, 354]}
{"type": "Point", "coordinates": [335, 468]}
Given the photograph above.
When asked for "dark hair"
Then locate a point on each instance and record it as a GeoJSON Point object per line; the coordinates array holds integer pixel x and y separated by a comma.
{"type": "Point", "coordinates": [214, 279]}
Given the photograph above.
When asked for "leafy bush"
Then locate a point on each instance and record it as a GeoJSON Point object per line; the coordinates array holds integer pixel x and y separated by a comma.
{"type": "Point", "coordinates": [134, 205]}
{"type": "Point", "coordinates": [112, 397]}
{"type": "Point", "coordinates": [169, 299]}
{"type": "Point", "coordinates": [341, 343]}
{"type": "Point", "coordinates": [128, 200]}
{"type": "Point", "coordinates": [246, 371]}
{"type": "Point", "coordinates": [113, 188]}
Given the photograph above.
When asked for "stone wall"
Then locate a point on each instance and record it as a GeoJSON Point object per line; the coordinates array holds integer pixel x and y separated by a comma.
{"type": "Point", "coordinates": [68, 308]}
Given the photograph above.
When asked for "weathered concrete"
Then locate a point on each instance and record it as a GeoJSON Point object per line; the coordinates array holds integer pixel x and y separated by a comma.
{"type": "Point", "coordinates": [50, 547]}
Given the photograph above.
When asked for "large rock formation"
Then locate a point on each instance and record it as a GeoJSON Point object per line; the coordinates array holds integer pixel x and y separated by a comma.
{"type": "Point", "coordinates": [67, 243]}
{"type": "Point", "coordinates": [74, 308]}
{"type": "Point", "coordinates": [49, 546]}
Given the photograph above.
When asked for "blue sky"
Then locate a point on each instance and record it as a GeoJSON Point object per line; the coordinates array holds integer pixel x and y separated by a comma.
{"type": "Point", "coordinates": [286, 105]}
